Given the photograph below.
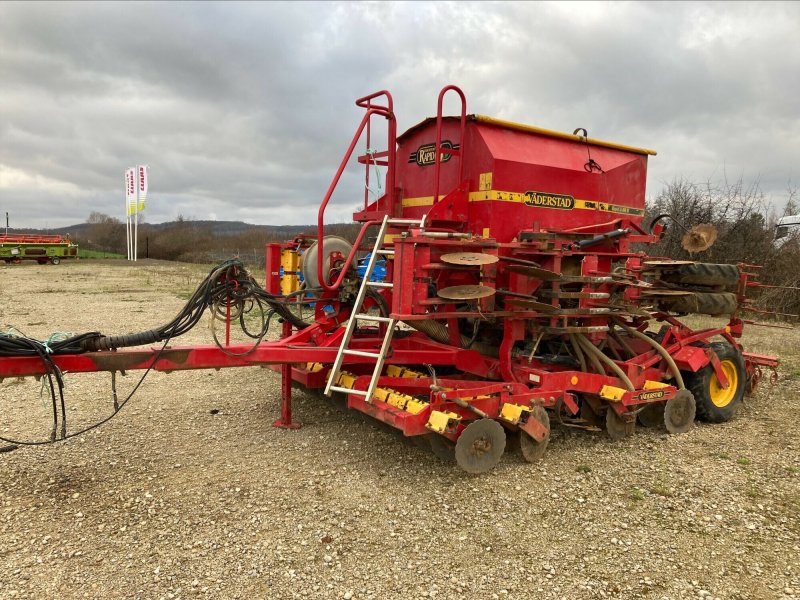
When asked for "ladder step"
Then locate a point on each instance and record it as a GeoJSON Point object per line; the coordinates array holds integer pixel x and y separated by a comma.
{"type": "Point", "coordinates": [380, 284]}
{"type": "Point", "coordinates": [376, 318]}
{"type": "Point", "coordinates": [385, 252]}
{"type": "Point", "coordinates": [361, 353]}
{"type": "Point", "coordinates": [336, 388]}
{"type": "Point", "coordinates": [404, 221]}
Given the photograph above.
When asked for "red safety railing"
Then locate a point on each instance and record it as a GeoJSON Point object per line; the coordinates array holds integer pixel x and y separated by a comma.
{"type": "Point", "coordinates": [460, 151]}
{"type": "Point", "coordinates": [387, 112]}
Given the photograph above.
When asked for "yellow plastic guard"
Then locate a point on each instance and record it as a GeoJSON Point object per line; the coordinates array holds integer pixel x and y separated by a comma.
{"type": "Point", "coordinates": [382, 394]}
{"type": "Point", "coordinates": [398, 371]}
{"type": "Point", "coordinates": [347, 380]}
{"type": "Point", "coordinates": [654, 385]}
{"type": "Point", "coordinates": [397, 399]}
{"type": "Point", "coordinates": [290, 261]}
{"type": "Point", "coordinates": [415, 406]}
{"type": "Point", "coordinates": [438, 421]}
{"type": "Point", "coordinates": [314, 367]}
{"type": "Point", "coordinates": [513, 412]}
{"type": "Point", "coordinates": [614, 394]}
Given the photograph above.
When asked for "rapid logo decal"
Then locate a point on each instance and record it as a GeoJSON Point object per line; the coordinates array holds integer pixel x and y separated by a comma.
{"type": "Point", "coordinates": [651, 395]}
{"type": "Point", "coordinates": [425, 155]}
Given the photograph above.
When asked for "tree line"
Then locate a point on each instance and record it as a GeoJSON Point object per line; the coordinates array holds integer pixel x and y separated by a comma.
{"type": "Point", "coordinates": [188, 240]}
{"type": "Point", "coordinates": [739, 211]}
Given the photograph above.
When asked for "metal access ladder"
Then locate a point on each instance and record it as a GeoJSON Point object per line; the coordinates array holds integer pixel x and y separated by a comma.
{"type": "Point", "coordinates": [391, 324]}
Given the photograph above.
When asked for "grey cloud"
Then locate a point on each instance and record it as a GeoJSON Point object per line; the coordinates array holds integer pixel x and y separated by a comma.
{"type": "Point", "coordinates": [243, 110]}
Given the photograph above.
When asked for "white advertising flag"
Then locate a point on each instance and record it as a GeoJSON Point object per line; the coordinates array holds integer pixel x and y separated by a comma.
{"type": "Point", "coordinates": [141, 180]}
{"type": "Point", "coordinates": [130, 191]}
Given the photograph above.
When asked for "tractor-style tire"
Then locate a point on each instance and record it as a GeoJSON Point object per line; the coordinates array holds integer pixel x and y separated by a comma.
{"type": "Point", "coordinates": [714, 404]}
{"type": "Point", "coordinates": [705, 303]}
{"type": "Point", "coordinates": [710, 274]}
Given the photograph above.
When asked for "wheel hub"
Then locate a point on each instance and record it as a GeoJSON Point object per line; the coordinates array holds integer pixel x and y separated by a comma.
{"type": "Point", "coordinates": [480, 446]}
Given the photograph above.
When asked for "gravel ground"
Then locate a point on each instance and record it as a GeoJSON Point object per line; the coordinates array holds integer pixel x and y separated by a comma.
{"type": "Point", "coordinates": [190, 492]}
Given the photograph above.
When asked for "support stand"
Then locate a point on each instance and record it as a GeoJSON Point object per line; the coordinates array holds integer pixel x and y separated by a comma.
{"type": "Point", "coordinates": [285, 422]}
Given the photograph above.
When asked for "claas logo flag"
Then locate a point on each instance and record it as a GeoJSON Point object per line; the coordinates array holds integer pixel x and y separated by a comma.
{"type": "Point", "coordinates": [130, 191]}
{"type": "Point", "coordinates": [141, 182]}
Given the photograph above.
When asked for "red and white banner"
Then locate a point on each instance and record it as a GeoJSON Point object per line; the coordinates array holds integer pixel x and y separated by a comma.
{"type": "Point", "coordinates": [141, 182]}
{"type": "Point", "coordinates": [130, 192]}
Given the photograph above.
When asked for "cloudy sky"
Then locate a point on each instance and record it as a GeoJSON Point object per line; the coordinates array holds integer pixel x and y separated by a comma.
{"type": "Point", "coordinates": [243, 111]}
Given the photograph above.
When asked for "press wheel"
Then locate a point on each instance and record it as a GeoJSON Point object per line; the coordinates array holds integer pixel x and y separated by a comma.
{"type": "Point", "coordinates": [442, 448]}
{"type": "Point", "coordinates": [652, 415]}
{"type": "Point", "coordinates": [590, 418]}
{"type": "Point", "coordinates": [532, 450]}
{"type": "Point", "coordinates": [617, 427]}
{"type": "Point", "coordinates": [480, 446]}
{"type": "Point", "coordinates": [679, 412]}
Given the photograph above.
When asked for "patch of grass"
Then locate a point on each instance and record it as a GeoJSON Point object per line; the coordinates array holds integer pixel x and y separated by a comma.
{"type": "Point", "coordinates": [583, 469]}
{"type": "Point", "coordinates": [82, 253]}
{"type": "Point", "coordinates": [793, 470]}
{"type": "Point", "coordinates": [636, 495]}
{"type": "Point", "coordinates": [661, 490]}
{"type": "Point", "coordinates": [752, 491]}
{"type": "Point", "coordinates": [743, 461]}
{"type": "Point", "coordinates": [723, 456]}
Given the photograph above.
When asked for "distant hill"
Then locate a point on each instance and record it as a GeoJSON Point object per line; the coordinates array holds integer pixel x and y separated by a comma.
{"type": "Point", "coordinates": [217, 228]}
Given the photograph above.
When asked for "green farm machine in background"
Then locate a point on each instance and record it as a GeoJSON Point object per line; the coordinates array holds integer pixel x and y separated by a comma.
{"type": "Point", "coordinates": [14, 248]}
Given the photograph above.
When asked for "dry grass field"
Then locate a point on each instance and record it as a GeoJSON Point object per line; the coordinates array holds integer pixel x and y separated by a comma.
{"type": "Point", "coordinates": [190, 493]}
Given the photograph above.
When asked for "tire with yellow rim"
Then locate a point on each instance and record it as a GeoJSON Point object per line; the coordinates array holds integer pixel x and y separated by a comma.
{"type": "Point", "coordinates": [715, 403]}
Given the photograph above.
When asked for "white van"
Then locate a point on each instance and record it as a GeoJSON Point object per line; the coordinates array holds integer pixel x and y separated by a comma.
{"type": "Point", "coordinates": [786, 228]}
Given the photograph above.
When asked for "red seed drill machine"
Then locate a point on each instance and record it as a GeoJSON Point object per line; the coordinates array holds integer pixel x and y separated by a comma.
{"type": "Point", "coordinates": [504, 287]}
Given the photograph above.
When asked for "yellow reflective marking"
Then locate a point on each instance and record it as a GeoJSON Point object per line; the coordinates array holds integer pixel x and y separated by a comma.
{"type": "Point", "coordinates": [422, 201]}
{"type": "Point", "coordinates": [501, 196]}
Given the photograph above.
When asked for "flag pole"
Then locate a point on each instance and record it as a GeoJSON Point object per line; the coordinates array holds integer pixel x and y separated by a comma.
{"type": "Point", "coordinates": [136, 222]}
{"type": "Point", "coordinates": [127, 215]}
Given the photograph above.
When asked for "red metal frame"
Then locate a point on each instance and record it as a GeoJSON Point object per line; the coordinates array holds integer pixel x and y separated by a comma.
{"type": "Point", "coordinates": [518, 195]}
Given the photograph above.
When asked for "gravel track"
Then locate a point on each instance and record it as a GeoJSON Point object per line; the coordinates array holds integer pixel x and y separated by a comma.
{"type": "Point", "coordinates": [190, 492]}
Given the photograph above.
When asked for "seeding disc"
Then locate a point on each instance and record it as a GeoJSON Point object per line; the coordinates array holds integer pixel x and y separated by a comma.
{"type": "Point", "coordinates": [700, 237]}
{"type": "Point", "coordinates": [468, 258]}
{"type": "Point", "coordinates": [466, 292]}
{"type": "Point", "coordinates": [532, 450]}
{"type": "Point", "coordinates": [617, 427]}
{"type": "Point", "coordinates": [532, 305]}
{"type": "Point", "coordinates": [480, 446]}
{"type": "Point", "coordinates": [679, 412]}
{"type": "Point", "coordinates": [537, 272]}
